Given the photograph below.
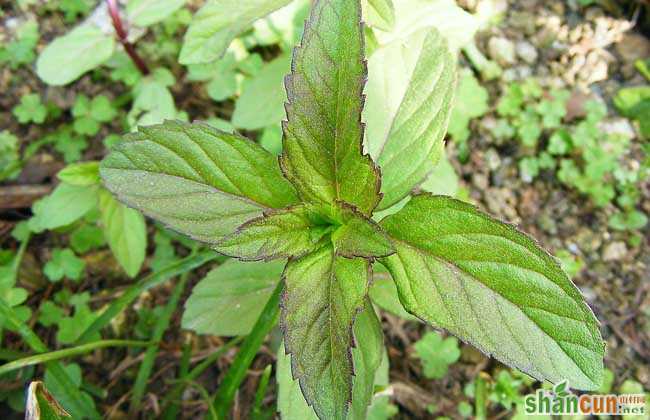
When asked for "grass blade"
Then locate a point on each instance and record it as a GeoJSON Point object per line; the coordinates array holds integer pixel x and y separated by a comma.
{"type": "Point", "coordinates": [256, 412]}
{"type": "Point", "coordinates": [69, 352]}
{"type": "Point", "coordinates": [237, 371]}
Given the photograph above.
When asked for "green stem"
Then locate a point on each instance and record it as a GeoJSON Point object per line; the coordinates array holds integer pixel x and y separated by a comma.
{"type": "Point", "coordinates": [237, 371]}
{"type": "Point", "coordinates": [8, 354]}
{"type": "Point", "coordinates": [480, 398]}
{"type": "Point", "coordinates": [187, 264]}
{"type": "Point", "coordinates": [79, 405]}
{"type": "Point", "coordinates": [159, 329]}
{"type": "Point", "coordinates": [171, 412]}
{"type": "Point", "coordinates": [69, 352]}
{"type": "Point", "coordinates": [256, 412]}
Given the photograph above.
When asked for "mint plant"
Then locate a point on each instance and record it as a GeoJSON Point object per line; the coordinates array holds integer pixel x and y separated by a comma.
{"type": "Point", "coordinates": [454, 267]}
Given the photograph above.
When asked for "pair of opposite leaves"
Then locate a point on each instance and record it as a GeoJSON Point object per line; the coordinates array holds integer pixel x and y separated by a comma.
{"type": "Point", "coordinates": [454, 267]}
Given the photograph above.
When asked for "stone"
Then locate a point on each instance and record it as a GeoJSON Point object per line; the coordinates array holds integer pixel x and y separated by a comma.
{"type": "Point", "coordinates": [502, 50]}
{"type": "Point", "coordinates": [614, 251]}
{"type": "Point", "coordinates": [526, 51]}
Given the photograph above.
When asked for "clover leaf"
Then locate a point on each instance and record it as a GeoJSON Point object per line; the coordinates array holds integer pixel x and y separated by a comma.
{"type": "Point", "coordinates": [90, 114]}
{"type": "Point", "coordinates": [30, 109]}
{"type": "Point", "coordinates": [64, 264]}
{"type": "Point", "coordinates": [454, 267]}
{"type": "Point", "coordinates": [437, 354]}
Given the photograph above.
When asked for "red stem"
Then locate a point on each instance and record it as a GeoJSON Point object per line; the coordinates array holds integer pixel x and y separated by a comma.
{"type": "Point", "coordinates": [122, 36]}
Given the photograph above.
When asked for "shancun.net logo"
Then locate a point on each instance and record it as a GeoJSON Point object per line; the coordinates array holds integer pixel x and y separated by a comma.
{"type": "Point", "coordinates": [561, 401]}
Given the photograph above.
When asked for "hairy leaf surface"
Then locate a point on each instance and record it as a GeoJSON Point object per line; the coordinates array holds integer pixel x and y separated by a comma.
{"type": "Point", "coordinates": [410, 93]}
{"type": "Point", "coordinates": [290, 232]}
{"type": "Point", "coordinates": [322, 153]}
{"type": "Point", "coordinates": [492, 286]}
{"type": "Point", "coordinates": [383, 293]}
{"type": "Point", "coordinates": [215, 25]}
{"type": "Point", "coordinates": [367, 356]}
{"type": "Point", "coordinates": [322, 294]}
{"type": "Point", "coordinates": [228, 300]}
{"type": "Point", "coordinates": [361, 237]}
{"type": "Point", "coordinates": [196, 179]}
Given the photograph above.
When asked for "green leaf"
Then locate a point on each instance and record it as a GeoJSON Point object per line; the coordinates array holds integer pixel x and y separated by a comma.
{"type": "Point", "coordinates": [10, 164]}
{"type": "Point", "coordinates": [379, 14]}
{"type": "Point", "coordinates": [629, 220]}
{"type": "Point", "coordinates": [251, 113]}
{"type": "Point", "coordinates": [436, 354]}
{"type": "Point", "coordinates": [410, 92]}
{"type": "Point", "coordinates": [412, 16]}
{"type": "Point", "coordinates": [359, 236]}
{"type": "Point", "coordinates": [64, 264]}
{"type": "Point", "coordinates": [41, 405]}
{"type": "Point", "coordinates": [71, 328]}
{"type": "Point", "coordinates": [153, 102]}
{"type": "Point", "coordinates": [290, 232]}
{"type": "Point", "coordinates": [291, 402]}
{"type": "Point", "coordinates": [68, 144]}
{"type": "Point", "coordinates": [60, 381]}
{"type": "Point", "coordinates": [322, 294]}
{"type": "Point", "coordinates": [71, 55]}
{"type": "Point", "coordinates": [367, 357]}
{"type": "Point", "coordinates": [30, 109]}
{"type": "Point", "coordinates": [82, 174]}
{"type": "Point", "coordinates": [125, 231]}
{"type": "Point", "coordinates": [148, 12]}
{"type": "Point", "coordinates": [383, 293]}
{"type": "Point", "coordinates": [471, 102]}
{"type": "Point", "coordinates": [492, 286]}
{"type": "Point", "coordinates": [442, 180]}
{"type": "Point", "coordinates": [216, 24]}
{"type": "Point", "coordinates": [322, 153]}
{"type": "Point", "coordinates": [284, 26]}
{"type": "Point", "coordinates": [20, 50]}
{"type": "Point", "coordinates": [627, 99]}
{"type": "Point", "coordinates": [381, 408]}
{"type": "Point", "coordinates": [228, 300]}
{"type": "Point", "coordinates": [195, 179]}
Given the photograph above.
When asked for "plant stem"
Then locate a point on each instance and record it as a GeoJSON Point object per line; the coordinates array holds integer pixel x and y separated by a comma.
{"type": "Point", "coordinates": [122, 36]}
{"type": "Point", "coordinates": [237, 371]}
{"type": "Point", "coordinates": [480, 398]}
{"type": "Point", "coordinates": [69, 352]}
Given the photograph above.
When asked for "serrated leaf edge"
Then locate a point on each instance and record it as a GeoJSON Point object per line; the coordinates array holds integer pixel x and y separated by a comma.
{"type": "Point", "coordinates": [287, 345]}
{"type": "Point", "coordinates": [288, 85]}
